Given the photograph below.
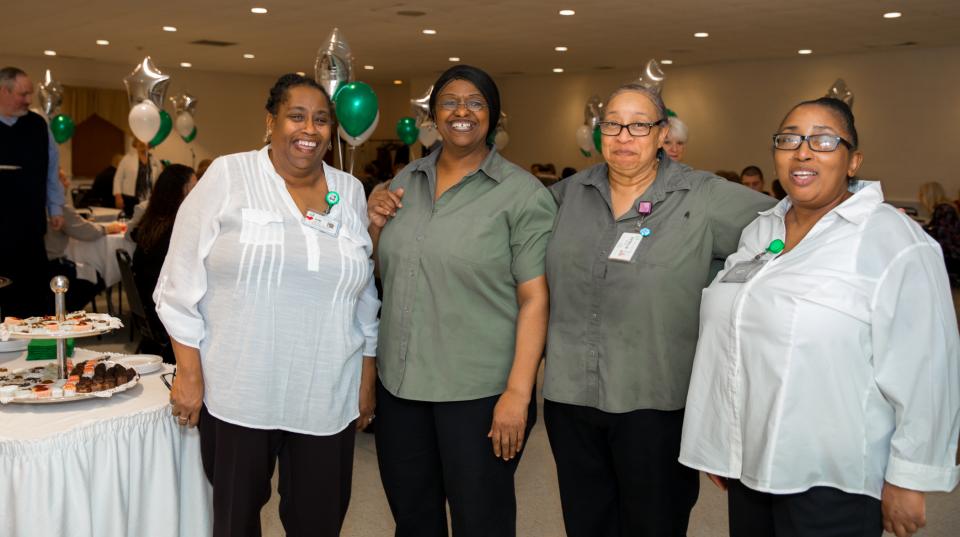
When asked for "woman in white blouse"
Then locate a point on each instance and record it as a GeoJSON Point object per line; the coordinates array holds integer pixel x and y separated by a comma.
{"type": "Point", "coordinates": [267, 293]}
{"type": "Point", "coordinates": [825, 394]}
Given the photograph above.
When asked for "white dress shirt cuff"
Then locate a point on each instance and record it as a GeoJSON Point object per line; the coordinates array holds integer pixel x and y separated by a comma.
{"type": "Point", "coordinates": [922, 477]}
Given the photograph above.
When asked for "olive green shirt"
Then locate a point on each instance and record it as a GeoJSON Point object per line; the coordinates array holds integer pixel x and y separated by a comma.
{"type": "Point", "coordinates": [622, 335]}
{"type": "Point", "coordinates": [450, 271]}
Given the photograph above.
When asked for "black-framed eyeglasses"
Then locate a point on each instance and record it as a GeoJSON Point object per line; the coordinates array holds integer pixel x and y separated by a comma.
{"type": "Point", "coordinates": [823, 143]}
{"type": "Point", "coordinates": [612, 128]}
{"type": "Point", "coordinates": [451, 105]}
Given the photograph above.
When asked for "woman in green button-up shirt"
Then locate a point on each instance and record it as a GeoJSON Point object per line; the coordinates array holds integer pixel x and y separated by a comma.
{"type": "Point", "coordinates": [463, 321]}
{"type": "Point", "coordinates": [623, 331]}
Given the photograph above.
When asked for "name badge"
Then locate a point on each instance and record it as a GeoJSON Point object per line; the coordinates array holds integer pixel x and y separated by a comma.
{"type": "Point", "coordinates": [626, 247]}
{"type": "Point", "coordinates": [322, 223]}
{"type": "Point", "coordinates": [743, 271]}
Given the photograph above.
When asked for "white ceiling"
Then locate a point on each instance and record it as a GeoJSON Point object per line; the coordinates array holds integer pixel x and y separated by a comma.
{"type": "Point", "coordinates": [505, 37]}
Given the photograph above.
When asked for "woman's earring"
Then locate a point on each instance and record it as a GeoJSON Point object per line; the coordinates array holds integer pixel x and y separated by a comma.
{"type": "Point", "coordinates": [266, 137]}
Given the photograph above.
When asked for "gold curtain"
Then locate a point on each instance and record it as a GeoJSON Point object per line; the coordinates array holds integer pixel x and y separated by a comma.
{"type": "Point", "coordinates": [110, 104]}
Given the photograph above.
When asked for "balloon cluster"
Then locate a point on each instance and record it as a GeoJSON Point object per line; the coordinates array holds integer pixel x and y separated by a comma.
{"type": "Point", "coordinates": [184, 106]}
{"type": "Point", "coordinates": [839, 90]}
{"type": "Point", "coordinates": [146, 87]}
{"type": "Point", "coordinates": [51, 99]}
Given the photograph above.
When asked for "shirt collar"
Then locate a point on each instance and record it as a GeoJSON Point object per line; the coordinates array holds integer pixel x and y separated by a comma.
{"type": "Point", "coordinates": [866, 196]}
{"type": "Point", "coordinates": [492, 165]}
{"type": "Point", "coordinates": [671, 176]}
{"type": "Point", "coordinates": [8, 120]}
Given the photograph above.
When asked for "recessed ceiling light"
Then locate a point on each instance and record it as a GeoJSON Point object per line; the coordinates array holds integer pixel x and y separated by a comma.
{"type": "Point", "coordinates": [567, 12]}
{"type": "Point", "coordinates": [102, 42]}
{"type": "Point", "coordinates": [558, 69]}
{"type": "Point", "coordinates": [411, 13]}
{"type": "Point", "coordinates": [397, 82]}
{"type": "Point", "coordinates": [666, 62]}
{"type": "Point", "coordinates": [701, 34]}
{"type": "Point", "coordinates": [892, 15]}
{"type": "Point", "coordinates": [249, 56]}
{"type": "Point", "coordinates": [186, 64]}
{"type": "Point", "coordinates": [169, 28]}
{"type": "Point", "coordinates": [301, 73]}
{"type": "Point", "coordinates": [368, 67]}
{"type": "Point", "coordinates": [258, 10]}
{"type": "Point", "coordinates": [454, 58]}
{"type": "Point", "coordinates": [50, 52]}
{"type": "Point", "coordinates": [804, 51]}
{"type": "Point", "coordinates": [560, 49]}
{"type": "Point", "coordinates": [429, 31]}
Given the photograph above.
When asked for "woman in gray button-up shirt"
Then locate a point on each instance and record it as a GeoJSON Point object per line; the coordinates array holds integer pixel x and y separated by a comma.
{"type": "Point", "coordinates": [634, 244]}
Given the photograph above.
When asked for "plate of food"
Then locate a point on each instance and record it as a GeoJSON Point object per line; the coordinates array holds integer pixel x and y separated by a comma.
{"type": "Point", "coordinates": [141, 363]}
{"type": "Point", "coordinates": [14, 345]}
{"type": "Point", "coordinates": [76, 324]}
{"type": "Point", "coordinates": [87, 379]}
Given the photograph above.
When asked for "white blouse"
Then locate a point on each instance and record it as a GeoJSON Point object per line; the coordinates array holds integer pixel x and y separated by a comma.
{"type": "Point", "coordinates": [836, 365]}
{"type": "Point", "coordinates": [282, 313]}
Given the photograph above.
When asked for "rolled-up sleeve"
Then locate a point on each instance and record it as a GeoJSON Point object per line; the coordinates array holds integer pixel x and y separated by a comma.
{"type": "Point", "coordinates": [183, 278]}
{"type": "Point", "coordinates": [530, 230]}
{"type": "Point", "coordinates": [732, 206]}
{"type": "Point", "coordinates": [917, 365]}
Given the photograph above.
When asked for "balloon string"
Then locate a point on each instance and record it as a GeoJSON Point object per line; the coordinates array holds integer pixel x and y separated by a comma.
{"type": "Point", "coordinates": [339, 150]}
{"type": "Point", "coordinates": [353, 156]}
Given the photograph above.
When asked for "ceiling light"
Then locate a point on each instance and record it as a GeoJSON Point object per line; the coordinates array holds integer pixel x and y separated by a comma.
{"type": "Point", "coordinates": [397, 82]}
{"type": "Point", "coordinates": [558, 69]}
{"type": "Point", "coordinates": [249, 56]}
{"type": "Point", "coordinates": [50, 52]}
{"type": "Point", "coordinates": [804, 51]}
{"type": "Point", "coordinates": [102, 42]}
{"type": "Point", "coordinates": [186, 64]}
{"type": "Point", "coordinates": [429, 31]}
{"type": "Point", "coordinates": [169, 28]}
{"type": "Point", "coordinates": [701, 34]}
{"type": "Point", "coordinates": [666, 62]}
{"type": "Point", "coordinates": [560, 49]}
{"type": "Point", "coordinates": [301, 73]}
{"type": "Point", "coordinates": [892, 15]}
{"type": "Point", "coordinates": [454, 58]}
{"type": "Point", "coordinates": [567, 12]}
{"type": "Point", "coordinates": [258, 10]}
{"type": "Point", "coordinates": [368, 67]}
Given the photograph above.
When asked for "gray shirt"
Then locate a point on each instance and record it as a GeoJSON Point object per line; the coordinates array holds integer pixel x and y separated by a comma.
{"type": "Point", "coordinates": [622, 336]}
{"type": "Point", "coordinates": [74, 227]}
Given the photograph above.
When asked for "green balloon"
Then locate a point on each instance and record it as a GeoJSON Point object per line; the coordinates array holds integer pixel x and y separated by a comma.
{"type": "Point", "coordinates": [356, 105]}
{"type": "Point", "coordinates": [596, 138]}
{"type": "Point", "coordinates": [166, 125]}
{"type": "Point", "coordinates": [585, 153]}
{"type": "Point", "coordinates": [189, 138]}
{"type": "Point", "coordinates": [407, 130]}
{"type": "Point", "coordinates": [62, 127]}
{"type": "Point", "coordinates": [671, 113]}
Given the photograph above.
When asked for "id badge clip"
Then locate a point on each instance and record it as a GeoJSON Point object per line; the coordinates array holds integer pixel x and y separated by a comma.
{"type": "Point", "coordinates": [743, 271]}
{"type": "Point", "coordinates": [323, 223]}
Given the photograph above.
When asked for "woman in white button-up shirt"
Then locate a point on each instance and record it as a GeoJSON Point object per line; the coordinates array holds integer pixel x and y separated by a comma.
{"type": "Point", "coordinates": [825, 393]}
{"type": "Point", "coordinates": [267, 293]}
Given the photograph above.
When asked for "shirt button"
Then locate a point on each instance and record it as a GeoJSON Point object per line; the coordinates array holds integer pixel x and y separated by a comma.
{"type": "Point", "coordinates": [419, 238]}
{"type": "Point", "coordinates": [412, 272]}
{"type": "Point", "coordinates": [406, 308]}
{"type": "Point", "coordinates": [594, 316]}
{"type": "Point", "coordinates": [593, 354]}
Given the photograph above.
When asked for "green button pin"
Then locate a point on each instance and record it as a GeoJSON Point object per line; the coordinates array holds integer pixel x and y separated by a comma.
{"type": "Point", "coordinates": [332, 198]}
{"type": "Point", "coordinates": [776, 246]}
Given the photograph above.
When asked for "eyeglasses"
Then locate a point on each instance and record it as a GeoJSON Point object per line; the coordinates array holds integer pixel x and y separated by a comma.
{"type": "Point", "coordinates": [823, 143]}
{"type": "Point", "coordinates": [451, 105]}
{"type": "Point", "coordinates": [612, 128]}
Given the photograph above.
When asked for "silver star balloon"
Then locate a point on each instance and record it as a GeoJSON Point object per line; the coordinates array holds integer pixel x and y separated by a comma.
{"type": "Point", "coordinates": [334, 65]}
{"type": "Point", "coordinates": [421, 105]}
{"type": "Point", "coordinates": [593, 112]}
{"type": "Point", "coordinates": [146, 83]}
{"type": "Point", "coordinates": [652, 76]}
{"type": "Point", "coordinates": [183, 102]}
{"type": "Point", "coordinates": [50, 93]}
{"type": "Point", "coordinates": [839, 90]}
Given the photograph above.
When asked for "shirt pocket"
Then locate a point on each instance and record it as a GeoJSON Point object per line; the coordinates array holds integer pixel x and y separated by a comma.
{"type": "Point", "coordinates": [480, 240]}
{"type": "Point", "coordinates": [260, 228]}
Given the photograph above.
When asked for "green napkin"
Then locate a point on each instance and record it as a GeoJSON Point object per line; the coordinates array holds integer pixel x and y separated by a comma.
{"type": "Point", "coordinates": [46, 349]}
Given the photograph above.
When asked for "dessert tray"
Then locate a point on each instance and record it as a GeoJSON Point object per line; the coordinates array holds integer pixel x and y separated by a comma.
{"type": "Point", "coordinates": [76, 324]}
{"type": "Point", "coordinates": [101, 377]}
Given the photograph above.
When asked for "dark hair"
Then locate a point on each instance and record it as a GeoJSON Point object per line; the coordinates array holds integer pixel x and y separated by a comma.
{"type": "Point", "coordinates": [567, 172]}
{"type": "Point", "coordinates": [752, 170]}
{"type": "Point", "coordinates": [839, 108]}
{"type": "Point", "coordinates": [279, 91]}
{"type": "Point", "coordinates": [728, 175]}
{"type": "Point", "coordinates": [477, 77]}
{"type": "Point", "coordinates": [9, 74]}
{"type": "Point", "coordinates": [778, 191]}
{"type": "Point", "coordinates": [157, 223]}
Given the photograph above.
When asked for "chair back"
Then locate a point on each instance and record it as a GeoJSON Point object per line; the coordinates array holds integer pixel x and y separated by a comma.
{"type": "Point", "coordinates": [126, 276]}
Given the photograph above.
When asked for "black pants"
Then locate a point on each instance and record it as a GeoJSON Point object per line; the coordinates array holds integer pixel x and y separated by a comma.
{"type": "Point", "coordinates": [315, 477]}
{"type": "Point", "coordinates": [818, 512]}
{"type": "Point", "coordinates": [24, 261]}
{"type": "Point", "coordinates": [618, 473]}
{"type": "Point", "coordinates": [433, 453]}
{"type": "Point", "coordinates": [129, 202]}
{"type": "Point", "coordinates": [81, 292]}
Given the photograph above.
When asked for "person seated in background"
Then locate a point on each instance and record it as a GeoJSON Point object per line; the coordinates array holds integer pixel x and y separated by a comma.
{"type": "Point", "coordinates": [944, 226]}
{"type": "Point", "coordinates": [676, 143]}
{"type": "Point", "coordinates": [728, 175]}
{"type": "Point", "coordinates": [152, 236]}
{"type": "Point", "coordinates": [74, 227]}
{"type": "Point", "coordinates": [567, 172]}
{"type": "Point", "coordinates": [752, 178]}
{"type": "Point", "coordinates": [101, 192]}
{"type": "Point", "coordinates": [134, 177]}
{"type": "Point", "coordinates": [202, 167]}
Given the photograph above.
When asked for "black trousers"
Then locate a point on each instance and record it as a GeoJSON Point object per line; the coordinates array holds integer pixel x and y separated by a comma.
{"type": "Point", "coordinates": [818, 512]}
{"type": "Point", "coordinates": [433, 453]}
{"type": "Point", "coordinates": [24, 261]}
{"type": "Point", "coordinates": [315, 477]}
{"type": "Point", "coordinates": [618, 473]}
{"type": "Point", "coordinates": [81, 292]}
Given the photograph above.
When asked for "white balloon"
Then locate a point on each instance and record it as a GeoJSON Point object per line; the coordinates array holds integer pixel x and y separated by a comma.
{"type": "Point", "coordinates": [501, 139]}
{"type": "Point", "coordinates": [144, 121]}
{"type": "Point", "coordinates": [428, 134]}
{"type": "Point", "coordinates": [354, 141]}
{"type": "Point", "coordinates": [585, 138]}
{"type": "Point", "coordinates": [184, 124]}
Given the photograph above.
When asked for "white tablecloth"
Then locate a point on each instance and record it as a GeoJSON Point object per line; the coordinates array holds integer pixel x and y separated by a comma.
{"type": "Point", "coordinates": [100, 468]}
{"type": "Point", "coordinates": [93, 257]}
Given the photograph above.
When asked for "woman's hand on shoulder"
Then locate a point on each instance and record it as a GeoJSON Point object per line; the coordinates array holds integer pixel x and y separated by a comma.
{"type": "Point", "coordinates": [383, 204]}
